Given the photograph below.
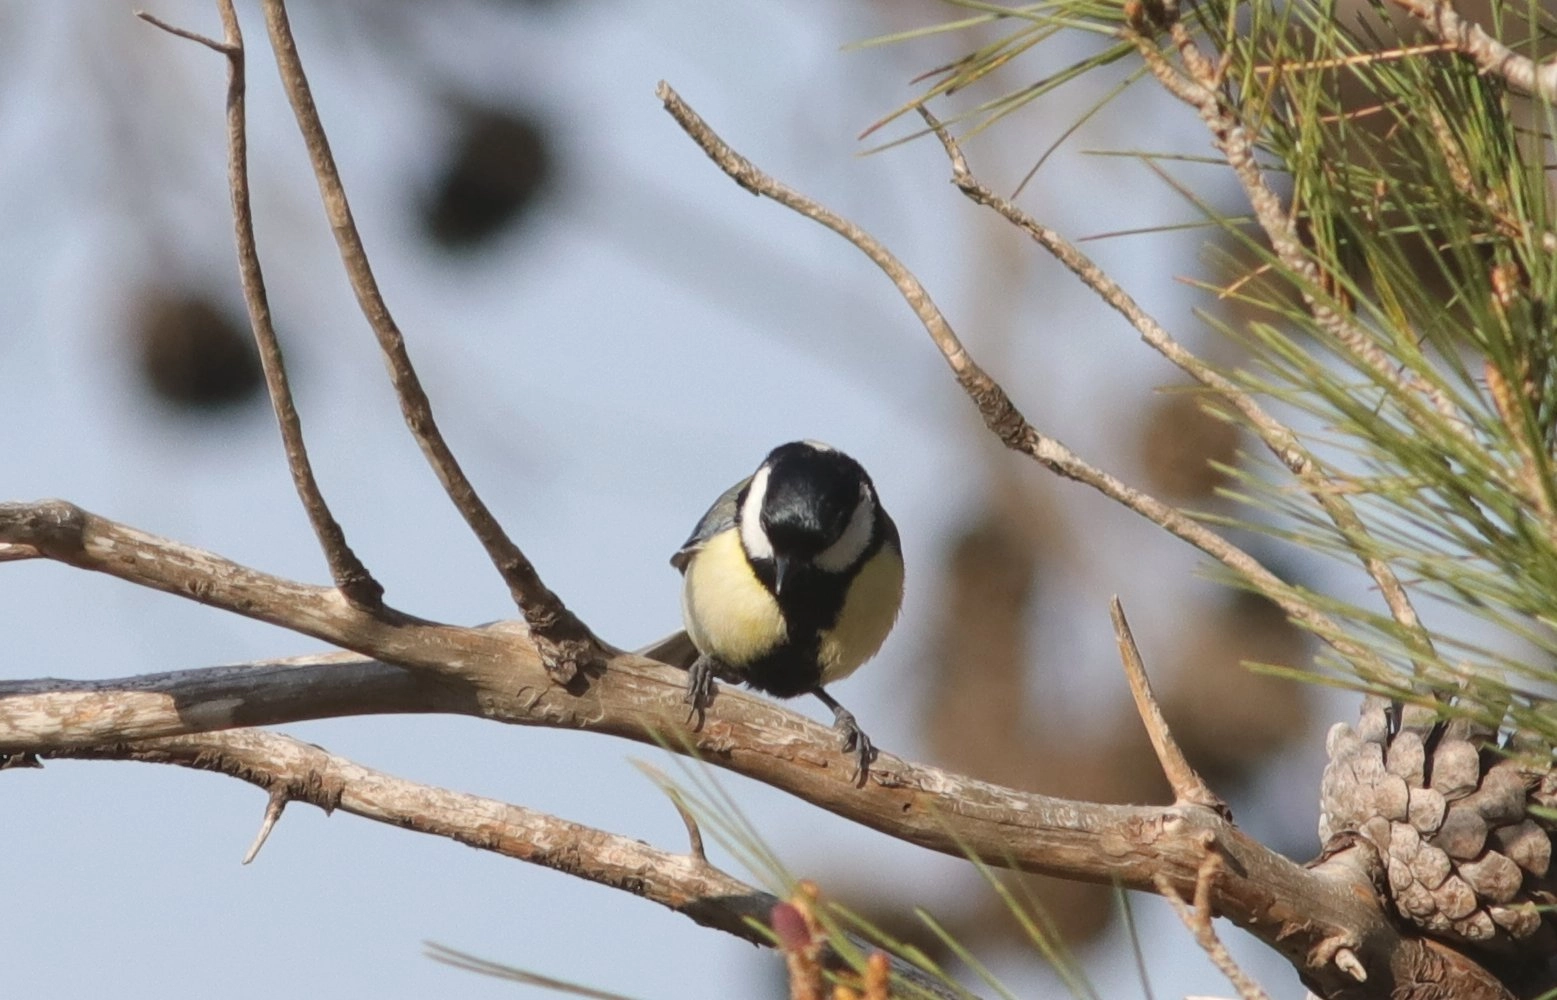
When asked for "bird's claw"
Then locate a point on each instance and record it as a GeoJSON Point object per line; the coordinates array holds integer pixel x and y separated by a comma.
{"type": "Point", "coordinates": [854, 739]}
{"type": "Point", "coordinates": [700, 690]}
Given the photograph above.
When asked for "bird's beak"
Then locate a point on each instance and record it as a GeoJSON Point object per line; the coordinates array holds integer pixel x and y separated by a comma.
{"type": "Point", "coordinates": [781, 570]}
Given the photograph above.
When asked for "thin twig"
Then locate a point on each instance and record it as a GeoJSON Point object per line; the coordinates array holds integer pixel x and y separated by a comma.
{"type": "Point", "coordinates": [1198, 921]}
{"type": "Point", "coordinates": [350, 575]}
{"type": "Point", "coordinates": [566, 644]}
{"type": "Point", "coordinates": [694, 832]}
{"type": "Point", "coordinates": [225, 48]}
{"type": "Point", "coordinates": [1199, 86]}
{"type": "Point", "coordinates": [1278, 438]}
{"type": "Point", "coordinates": [1188, 787]}
{"type": "Point", "coordinates": [1000, 413]}
{"type": "Point", "coordinates": [1490, 55]}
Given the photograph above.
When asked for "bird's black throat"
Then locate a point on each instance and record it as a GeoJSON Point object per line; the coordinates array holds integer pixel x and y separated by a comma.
{"type": "Point", "coordinates": [811, 601]}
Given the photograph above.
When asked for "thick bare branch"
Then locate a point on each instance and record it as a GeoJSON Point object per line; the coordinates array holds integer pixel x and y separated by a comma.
{"type": "Point", "coordinates": [1001, 414]}
{"type": "Point", "coordinates": [291, 770]}
{"type": "Point", "coordinates": [64, 532]}
{"type": "Point", "coordinates": [566, 643]}
{"type": "Point", "coordinates": [1293, 909]}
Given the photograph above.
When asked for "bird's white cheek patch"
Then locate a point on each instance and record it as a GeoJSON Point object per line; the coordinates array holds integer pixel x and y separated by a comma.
{"type": "Point", "coordinates": [869, 609]}
{"type": "Point", "coordinates": [843, 553]}
{"type": "Point", "coordinates": [752, 536]}
{"type": "Point", "coordinates": [728, 612]}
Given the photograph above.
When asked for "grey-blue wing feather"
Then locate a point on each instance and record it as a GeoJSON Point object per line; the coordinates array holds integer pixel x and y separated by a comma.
{"type": "Point", "coordinates": [675, 649]}
{"type": "Point", "coordinates": [720, 517]}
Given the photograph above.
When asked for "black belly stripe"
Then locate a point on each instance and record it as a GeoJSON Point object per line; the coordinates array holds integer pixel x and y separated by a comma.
{"type": "Point", "coordinates": [811, 605]}
{"type": "Point", "coordinates": [787, 671]}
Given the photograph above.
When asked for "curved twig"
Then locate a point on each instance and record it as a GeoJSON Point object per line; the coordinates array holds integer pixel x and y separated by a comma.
{"type": "Point", "coordinates": [348, 571]}
{"type": "Point", "coordinates": [566, 643]}
{"type": "Point", "coordinates": [1278, 438]}
{"type": "Point", "coordinates": [1490, 55]}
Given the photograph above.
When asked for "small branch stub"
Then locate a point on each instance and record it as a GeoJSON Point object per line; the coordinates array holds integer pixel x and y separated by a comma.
{"type": "Point", "coordinates": [1346, 960]}
{"type": "Point", "coordinates": [1188, 787]}
{"type": "Point", "coordinates": [273, 808]}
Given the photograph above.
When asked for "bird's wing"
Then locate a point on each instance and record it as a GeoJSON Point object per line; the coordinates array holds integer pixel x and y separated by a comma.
{"type": "Point", "coordinates": [675, 649]}
{"type": "Point", "coordinates": [720, 517]}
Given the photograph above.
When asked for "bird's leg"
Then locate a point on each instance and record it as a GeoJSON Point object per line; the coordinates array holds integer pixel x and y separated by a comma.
{"type": "Point", "coordinates": [700, 687]}
{"type": "Point", "coordinates": [854, 737]}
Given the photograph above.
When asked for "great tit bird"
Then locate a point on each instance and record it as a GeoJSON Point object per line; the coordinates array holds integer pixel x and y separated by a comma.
{"type": "Point", "coordinates": [793, 579]}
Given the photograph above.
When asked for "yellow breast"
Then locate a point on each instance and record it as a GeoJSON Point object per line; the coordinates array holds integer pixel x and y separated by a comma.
{"type": "Point", "coordinates": [727, 611]}
{"type": "Point", "coordinates": [869, 609]}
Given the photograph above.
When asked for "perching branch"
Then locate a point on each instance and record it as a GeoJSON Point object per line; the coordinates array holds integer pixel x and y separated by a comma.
{"type": "Point", "coordinates": [1000, 413]}
{"type": "Point", "coordinates": [566, 644]}
{"type": "Point", "coordinates": [350, 575]}
{"type": "Point", "coordinates": [496, 673]}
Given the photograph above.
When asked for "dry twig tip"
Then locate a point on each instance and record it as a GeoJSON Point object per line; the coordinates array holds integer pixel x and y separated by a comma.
{"type": "Point", "coordinates": [193, 36]}
{"type": "Point", "coordinates": [273, 809]}
{"type": "Point", "coordinates": [1188, 787]}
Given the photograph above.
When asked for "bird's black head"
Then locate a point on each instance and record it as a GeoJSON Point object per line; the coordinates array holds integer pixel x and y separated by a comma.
{"type": "Point", "coordinates": [809, 506]}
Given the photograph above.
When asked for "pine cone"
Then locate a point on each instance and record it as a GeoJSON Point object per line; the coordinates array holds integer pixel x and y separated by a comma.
{"type": "Point", "coordinates": [1446, 807]}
